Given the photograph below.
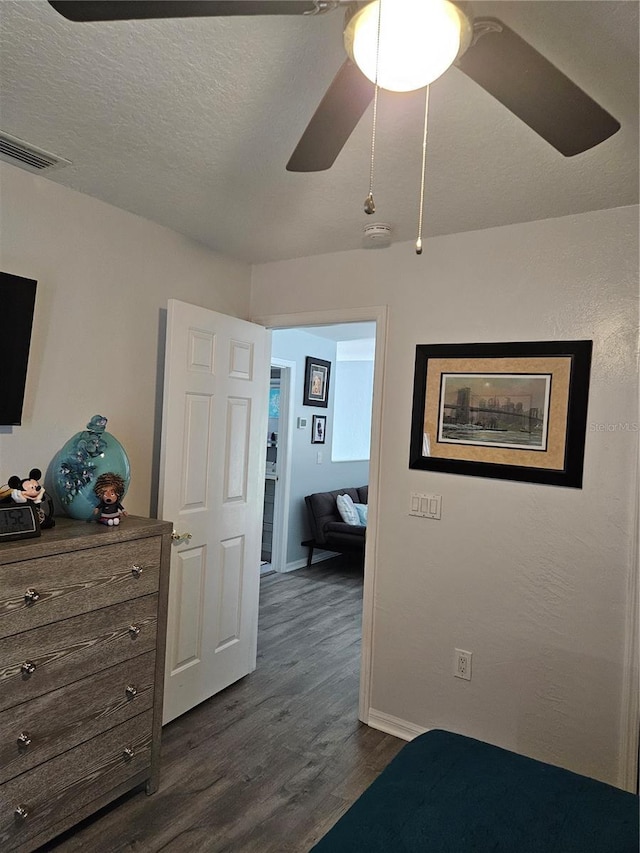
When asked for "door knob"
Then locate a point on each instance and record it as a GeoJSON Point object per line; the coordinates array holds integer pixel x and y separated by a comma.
{"type": "Point", "coordinates": [180, 537]}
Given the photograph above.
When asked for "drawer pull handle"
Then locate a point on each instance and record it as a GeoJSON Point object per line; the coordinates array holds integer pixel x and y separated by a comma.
{"type": "Point", "coordinates": [31, 596]}
{"type": "Point", "coordinates": [127, 753]}
{"type": "Point", "coordinates": [28, 667]}
{"type": "Point", "coordinates": [136, 571]}
{"type": "Point", "coordinates": [134, 630]}
{"type": "Point", "coordinates": [24, 739]}
{"type": "Point", "coordinates": [131, 691]}
{"type": "Point", "coordinates": [21, 812]}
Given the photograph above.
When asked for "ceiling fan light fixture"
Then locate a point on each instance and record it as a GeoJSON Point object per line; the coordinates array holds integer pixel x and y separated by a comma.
{"type": "Point", "coordinates": [419, 40]}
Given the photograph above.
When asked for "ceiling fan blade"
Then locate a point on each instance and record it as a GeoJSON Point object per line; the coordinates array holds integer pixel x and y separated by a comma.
{"type": "Point", "coordinates": [533, 89]}
{"type": "Point", "coordinates": [128, 10]}
{"type": "Point", "coordinates": [342, 107]}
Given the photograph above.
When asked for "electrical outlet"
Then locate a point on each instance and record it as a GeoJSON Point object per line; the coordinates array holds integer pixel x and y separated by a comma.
{"type": "Point", "coordinates": [462, 664]}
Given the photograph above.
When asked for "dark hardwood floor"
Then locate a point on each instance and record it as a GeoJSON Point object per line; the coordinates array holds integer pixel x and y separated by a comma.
{"type": "Point", "coordinates": [268, 765]}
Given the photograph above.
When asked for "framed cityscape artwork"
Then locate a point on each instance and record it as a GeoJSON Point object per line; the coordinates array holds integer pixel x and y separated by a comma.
{"type": "Point", "coordinates": [514, 411]}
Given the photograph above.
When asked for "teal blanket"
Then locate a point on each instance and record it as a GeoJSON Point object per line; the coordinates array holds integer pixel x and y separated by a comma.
{"type": "Point", "coordinates": [445, 793]}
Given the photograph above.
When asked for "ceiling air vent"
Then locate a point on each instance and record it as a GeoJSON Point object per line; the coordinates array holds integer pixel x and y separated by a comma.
{"type": "Point", "coordinates": [20, 153]}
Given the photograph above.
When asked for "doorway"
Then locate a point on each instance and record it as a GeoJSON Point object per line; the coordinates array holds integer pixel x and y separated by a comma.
{"type": "Point", "coordinates": [302, 322]}
{"type": "Point", "coordinates": [275, 521]}
{"type": "Point", "coordinates": [271, 470]}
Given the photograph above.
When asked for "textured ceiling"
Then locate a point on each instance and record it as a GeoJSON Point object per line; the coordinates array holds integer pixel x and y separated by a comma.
{"type": "Point", "coordinates": [190, 123]}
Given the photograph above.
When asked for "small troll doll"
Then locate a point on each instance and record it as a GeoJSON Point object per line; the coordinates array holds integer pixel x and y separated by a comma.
{"type": "Point", "coordinates": [109, 488]}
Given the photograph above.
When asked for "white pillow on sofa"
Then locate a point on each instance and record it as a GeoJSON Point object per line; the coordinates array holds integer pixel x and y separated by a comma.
{"type": "Point", "coordinates": [347, 510]}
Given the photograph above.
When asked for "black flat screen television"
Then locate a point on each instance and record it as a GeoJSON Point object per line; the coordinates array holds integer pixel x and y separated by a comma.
{"type": "Point", "coordinates": [17, 302]}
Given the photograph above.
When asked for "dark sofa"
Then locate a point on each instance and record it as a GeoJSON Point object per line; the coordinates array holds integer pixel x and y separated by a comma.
{"type": "Point", "coordinates": [328, 530]}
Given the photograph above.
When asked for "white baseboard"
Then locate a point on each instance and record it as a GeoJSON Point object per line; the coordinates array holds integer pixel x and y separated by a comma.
{"type": "Point", "coordinates": [318, 557]}
{"type": "Point", "coordinates": [393, 725]}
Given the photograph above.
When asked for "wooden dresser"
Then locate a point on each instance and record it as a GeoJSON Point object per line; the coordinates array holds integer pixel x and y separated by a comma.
{"type": "Point", "coordinates": [82, 639]}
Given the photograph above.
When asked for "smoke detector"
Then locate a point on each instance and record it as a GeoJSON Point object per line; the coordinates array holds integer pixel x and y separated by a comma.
{"type": "Point", "coordinates": [377, 235]}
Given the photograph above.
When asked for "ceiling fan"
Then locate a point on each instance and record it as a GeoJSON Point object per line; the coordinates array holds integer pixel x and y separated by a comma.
{"type": "Point", "coordinates": [488, 51]}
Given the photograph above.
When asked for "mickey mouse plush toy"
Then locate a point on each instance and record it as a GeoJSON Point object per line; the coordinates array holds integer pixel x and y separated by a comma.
{"type": "Point", "coordinates": [30, 490]}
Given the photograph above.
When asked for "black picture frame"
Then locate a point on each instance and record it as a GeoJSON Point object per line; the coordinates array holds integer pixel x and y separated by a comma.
{"type": "Point", "coordinates": [316, 382]}
{"type": "Point", "coordinates": [529, 426]}
{"type": "Point", "coordinates": [318, 429]}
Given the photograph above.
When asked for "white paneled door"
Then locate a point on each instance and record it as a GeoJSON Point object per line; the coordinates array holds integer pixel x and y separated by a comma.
{"type": "Point", "coordinates": [212, 488]}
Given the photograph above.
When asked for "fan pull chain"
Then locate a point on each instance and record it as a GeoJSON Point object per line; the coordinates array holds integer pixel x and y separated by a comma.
{"type": "Point", "coordinates": [423, 173]}
{"type": "Point", "coordinates": [369, 203]}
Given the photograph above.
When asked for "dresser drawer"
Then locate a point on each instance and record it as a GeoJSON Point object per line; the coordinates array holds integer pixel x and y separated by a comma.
{"type": "Point", "coordinates": [55, 790]}
{"type": "Point", "coordinates": [67, 651]}
{"type": "Point", "coordinates": [51, 724]}
{"type": "Point", "coordinates": [37, 592]}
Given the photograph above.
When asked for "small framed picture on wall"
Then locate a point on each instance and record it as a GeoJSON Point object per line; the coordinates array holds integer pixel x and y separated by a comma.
{"type": "Point", "coordinates": [316, 382]}
{"type": "Point", "coordinates": [318, 429]}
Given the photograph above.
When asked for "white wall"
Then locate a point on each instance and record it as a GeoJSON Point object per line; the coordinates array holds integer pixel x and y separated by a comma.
{"type": "Point", "coordinates": [532, 579]}
{"type": "Point", "coordinates": [307, 476]}
{"type": "Point", "coordinates": [104, 277]}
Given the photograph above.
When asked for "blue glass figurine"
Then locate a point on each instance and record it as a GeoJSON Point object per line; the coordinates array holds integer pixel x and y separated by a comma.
{"type": "Point", "coordinates": [82, 460]}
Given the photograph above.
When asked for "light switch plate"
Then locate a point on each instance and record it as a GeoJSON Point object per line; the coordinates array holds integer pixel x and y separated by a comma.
{"type": "Point", "coordinates": [425, 506]}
